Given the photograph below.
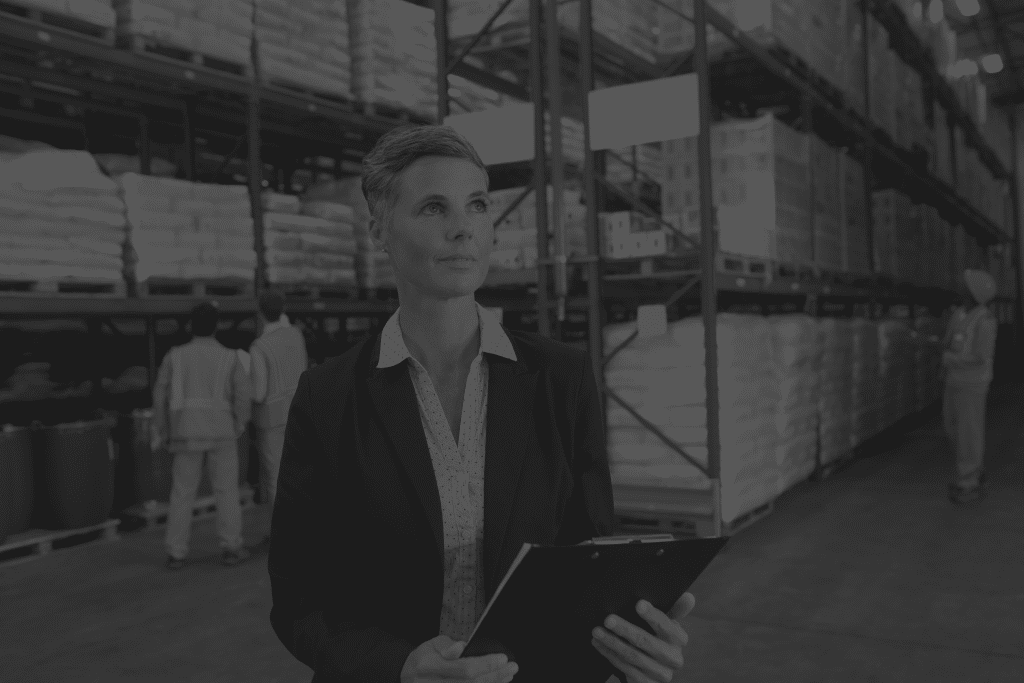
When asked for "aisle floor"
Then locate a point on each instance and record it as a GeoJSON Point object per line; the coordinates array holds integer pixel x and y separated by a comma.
{"type": "Point", "coordinates": [871, 575]}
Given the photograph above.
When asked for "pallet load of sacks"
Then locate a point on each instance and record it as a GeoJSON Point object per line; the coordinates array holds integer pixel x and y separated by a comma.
{"type": "Point", "coordinates": [62, 218]}
{"type": "Point", "coordinates": [795, 363]}
{"type": "Point", "coordinates": [305, 43]}
{"type": "Point", "coordinates": [515, 238]}
{"type": "Point", "coordinates": [184, 230]}
{"type": "Point", "coordinates": [835, 389]}
{"type": "Point", "coordinates": [661, 377]}
{"type": "Point", "coordinates": [308, 242]}
{"type": "Point", "coordinates": [372, 266]}
{"type": "Point", "coordinates": [896, 371]}
{"type": "Point", "coordinates": [216, 28]}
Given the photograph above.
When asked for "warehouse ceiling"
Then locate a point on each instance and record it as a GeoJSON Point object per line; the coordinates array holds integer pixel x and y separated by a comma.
{"type": "Point", "coordinates": [996, 28]}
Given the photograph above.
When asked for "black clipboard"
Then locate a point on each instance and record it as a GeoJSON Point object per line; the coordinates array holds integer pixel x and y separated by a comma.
{"type": "Point", "coordinates": [544, 611]}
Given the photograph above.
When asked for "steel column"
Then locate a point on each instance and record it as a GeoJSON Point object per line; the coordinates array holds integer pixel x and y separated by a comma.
{"type": "Point", "coordinates": [540, 163]}
{"type": "Point", "coordinates": [1018, 255]}
{"type": "Point", "coordinates": [441, 37]}
{"type": "Point", "coordinates": [256, 168]}
{"type": "Point", "coordinates": [554, 65]}
{"type": "Point", "coordinates": [708, 240]}
{"type": "Point", "coordinates": [869, 140]}
{"type": "Point", "coordinates": [189, 140]}
{"type": "Point", "coordinates": [807, 106]}
{"type": "Point", "coordinates": [145, 157]}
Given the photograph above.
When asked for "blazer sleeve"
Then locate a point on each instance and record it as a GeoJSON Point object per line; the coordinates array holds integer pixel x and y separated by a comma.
{"type": "Point", "coordinates": [590, 510]}
{"type": "Point", "coordinates": [339, 648]}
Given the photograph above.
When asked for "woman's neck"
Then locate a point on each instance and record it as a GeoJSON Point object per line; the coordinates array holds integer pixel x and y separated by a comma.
{"type": "Point", "coordinates": [442, 335]}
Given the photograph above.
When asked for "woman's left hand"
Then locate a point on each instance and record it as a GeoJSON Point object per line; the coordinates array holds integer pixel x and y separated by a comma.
{"type": "Point", "coordinates": [640, 656]}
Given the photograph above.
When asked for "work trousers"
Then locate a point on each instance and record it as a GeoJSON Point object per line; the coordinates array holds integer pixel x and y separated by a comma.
{"type": "Point", "coordinates": [963, 415]}
{"type": "Point", "coordinates": [222, 465]}
{"type": "Point", "coordinates": [270, 444]}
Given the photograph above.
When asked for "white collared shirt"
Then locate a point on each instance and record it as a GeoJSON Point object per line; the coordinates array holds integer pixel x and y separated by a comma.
{"type": "Point", "coordinates": [258, 364]}
{"type": "Point", "coordinates": [458, 468]}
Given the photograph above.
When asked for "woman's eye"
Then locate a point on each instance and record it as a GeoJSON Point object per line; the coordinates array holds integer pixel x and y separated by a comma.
{"type": "Point", "coordinates": [484, 206]}
{"type": "Point", "coordinates": [428, 207]}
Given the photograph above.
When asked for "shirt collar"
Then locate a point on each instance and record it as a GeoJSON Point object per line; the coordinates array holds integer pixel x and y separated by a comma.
{"type": "Point", "coordinates": [492, 340]}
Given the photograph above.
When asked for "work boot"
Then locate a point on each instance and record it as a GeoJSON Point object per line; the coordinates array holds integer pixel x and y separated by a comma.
{"type": "Point", "coordinates": [229, 558]}
{"type": "Point", "coordinates": [960, 494]}
{"type": "Point", "coordinates": [174, 563]}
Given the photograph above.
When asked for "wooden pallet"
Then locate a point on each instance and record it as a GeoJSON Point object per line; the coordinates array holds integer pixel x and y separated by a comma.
{"type": "Point", "coordinates": [181, 55]}
{"type": "Point", "coordinates": [651, 267]}
{"type": "Point", "coordinates": [154, 513]}
{"type": "Point", "coordinates": [39, 542]}
{"type": "Point", "coordinates": [634, 522]}
{"type": "Point", "coordinates": [788, 270]}
{"type": "Point", "coordinates": [12, 9]}
{"type": "Point", "coordinates": [317, 291]}
{"type": "Point", "coordinates": [28, 287]}
{"type": "Point", "coordinates": [333, 98]}
{"type": "Point", "coordinates": [501, 38]}
{"type": "Point", "coordinates": [745, 266]}
{"type": "Point", "coordinates": [197, 288]}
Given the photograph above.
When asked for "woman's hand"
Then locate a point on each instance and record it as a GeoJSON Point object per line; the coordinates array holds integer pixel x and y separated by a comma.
{"type": "Point", "coordinates": [641, 657]}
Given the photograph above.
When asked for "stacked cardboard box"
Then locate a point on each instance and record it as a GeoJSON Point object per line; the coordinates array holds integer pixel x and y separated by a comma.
{"type": "Point", "coordinates": [835, 389]}
{"type": "Point", "coordinates": [828, 185]}
{"type": "Point", "coordinates": [309, 242]}
{"type": "Point", "coordinates": [515, 238]}
{"type": "Point", "coordinates": [188, 230]}
{"type": "Point", "coordinates": [856, 250]}
{"type": "Point", "coordinates": [217, 28]}
{"type": "Point", "coordinates": [62, 218]}
{"type": "Point", "coordinates": [627, 234]}
{"type": "Point", "coordinates": [305, 43]}
{"type": "Point", "coordinates": [866, 385]}
{"type": "Point", "coordinates": [760, 187]}
{"type": "Point", "coordinates": [797, 376]}
{"type": "Point", "coordinates": [394, 55]}
{"type": "Point", "coordinates": [662, 378]}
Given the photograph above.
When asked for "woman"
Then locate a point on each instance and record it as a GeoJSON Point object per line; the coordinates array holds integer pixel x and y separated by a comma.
{"type": "Point", "coordinates": [417, 464]}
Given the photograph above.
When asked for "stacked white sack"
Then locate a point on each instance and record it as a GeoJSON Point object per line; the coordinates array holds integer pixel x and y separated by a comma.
{"type": "Point", "coordinates": [217, 28]}
{"type": "Point", "coordinates": [662, 378]}
{"type": "Point", "coordinates": [308, 242]}
{"type": "Point", "coordinates": [515, 238]}
{"type": "Point", "coordinates": [372, 266]}
{"type": "Point", "coordinates": [895, 367]}
{"type": "Point", "coordinates": [835, 392]}
{"type": "Point", "coordinates": [60, 218]}
{"type": "Point", "coordinates": [189, 230]}
{"type": "Point", "coordinates": [866, 382]}
{"type": "Point", "coordinates": [794, 345]}
{"type": "Point", "coordinates": [95, 12]}
{"type": "Point", "coordinates": [394, 55]}
{"type": "Point", "coordinates": [305, 43]}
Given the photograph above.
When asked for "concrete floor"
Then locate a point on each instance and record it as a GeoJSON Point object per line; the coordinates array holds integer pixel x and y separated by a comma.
{"type": "Point", "coordinates": [869, 576]}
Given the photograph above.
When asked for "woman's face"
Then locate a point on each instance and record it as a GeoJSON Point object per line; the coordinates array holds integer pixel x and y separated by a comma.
{"type": "Point", "coordinates": [441, 231]}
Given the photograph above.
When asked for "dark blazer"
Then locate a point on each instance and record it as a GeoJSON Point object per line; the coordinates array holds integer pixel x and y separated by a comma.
{"type": "Point", "coordinates": [356, 557]}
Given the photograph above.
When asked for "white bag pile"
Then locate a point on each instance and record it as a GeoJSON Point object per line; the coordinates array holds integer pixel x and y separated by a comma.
{"type": "Point", "coordinates": [662, 378]}
{"type": "Point", "coordinates": [60, 218]}
{"type": "Point", "coordinates": [309, 243]}
{"type": "Point", "coordinates": [929, 360]}
{"type": "Point", "coordinates": [95, 12]}
{"type": "Point", "coordinates": [794, 344]}
{"type": "Point", "coordinates": [217, 28]}
{"type": "Point", "coordinates": [394, 55]}
{"type": "Point", "coordinates": [760, 188]}
{"type": "Point", "coordinates": [866, 381]}
{"type": "Point", "coordinates": [515, 238]}
{"type": "Point", "coordinates": [305, 43]}
{"type": "Point", "coordinates": [372, 266]}
{"type": "Point", "coordinates": [896, 369]}
{"type": "Point", "coordinates": [627, 23]}
{"type": "Point", "coordinates": [180, 229]}
{"type": "Point", "coordinates": [835, 391]}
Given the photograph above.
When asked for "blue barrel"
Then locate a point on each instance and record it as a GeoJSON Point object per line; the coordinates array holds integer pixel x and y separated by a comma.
{"type": "Point", "coordinates": [17, 480]}
{"type": "Point", "coordinates": [75, 465]}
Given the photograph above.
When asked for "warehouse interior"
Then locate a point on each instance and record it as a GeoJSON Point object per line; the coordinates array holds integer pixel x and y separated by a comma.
{"type": "Point", "coordinates": [761, 253]}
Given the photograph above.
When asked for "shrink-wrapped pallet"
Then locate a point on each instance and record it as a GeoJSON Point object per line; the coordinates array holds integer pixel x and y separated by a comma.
{"type": "Point", "coordinates": [641, 163]}
{"type": "Point", "coordinates": [216, 28]}
{"type": "Point", "coordinates": [95, 12]}
{"type": "Point", "coordinates": [866, 383]}
{"type": "Point", "coordinates": [515, 237]}
{"type": "Point", "coordinates": [856, 254]}
{"type": "Point", "coordinates": [760, 188]}
{"type": "Point", "coordinates": [394, 55]}
{"type": "Point", "coordinates": [835, 390]}
{"type": "Point", "coordinates": [61, 218]}
{"type": "Point", "coordinates": [662, 378]}
{"type": "Point", "coordinates": [795, 365]}
{"type": "Point", "coordinates": [180, 229]}
{"type": "Point", "coordinates": [311, 249]}
{"type": "Point", "coordinates": [305, 44]}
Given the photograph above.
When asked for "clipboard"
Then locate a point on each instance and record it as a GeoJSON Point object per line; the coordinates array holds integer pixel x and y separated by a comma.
{"type": "Point", "coordinates": [544, 610]}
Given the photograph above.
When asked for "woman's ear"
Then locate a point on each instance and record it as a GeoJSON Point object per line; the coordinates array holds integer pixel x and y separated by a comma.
{"type": "Point", "coordinates": [378, 235]}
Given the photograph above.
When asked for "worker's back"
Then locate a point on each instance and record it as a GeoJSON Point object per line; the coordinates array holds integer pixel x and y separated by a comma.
{"type": "Point", "coordinates": [284, 352]}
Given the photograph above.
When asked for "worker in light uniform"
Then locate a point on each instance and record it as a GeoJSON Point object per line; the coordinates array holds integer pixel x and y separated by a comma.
{"type": "Point", "coordinates": [201, 406]}
{"type": "Point", "coordinates": [278, 357]}
{"type": "Point", "coordinates": [970, 347]}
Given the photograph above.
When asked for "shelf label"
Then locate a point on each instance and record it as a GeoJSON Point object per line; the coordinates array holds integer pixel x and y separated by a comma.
{"type": "Point", "coordinates": [639, 113]}
{"type": "Point", "coordinates": [651, 320]}
{"type": "Point", "coordinates": [500, 136]}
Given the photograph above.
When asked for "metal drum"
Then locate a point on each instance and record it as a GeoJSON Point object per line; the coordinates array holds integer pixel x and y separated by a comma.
{"type": "Point", "coordinates": [75, 473]}
{"type": "Point", "coordinates": [17, 480]}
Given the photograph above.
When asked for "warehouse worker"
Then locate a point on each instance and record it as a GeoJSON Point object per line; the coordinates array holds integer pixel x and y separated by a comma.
{"type": "Point", "coordinates": [382, 558]}
{"type": "Point", "coordinates": [970, 346]}
{"type": "Point", "coordinates": [278, 358]}
{"type": "Point", "coordinates": [201, 406]}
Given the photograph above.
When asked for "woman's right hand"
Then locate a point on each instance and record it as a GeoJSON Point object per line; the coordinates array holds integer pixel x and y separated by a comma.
{"type": "Point", "coordinates": [437, 661]}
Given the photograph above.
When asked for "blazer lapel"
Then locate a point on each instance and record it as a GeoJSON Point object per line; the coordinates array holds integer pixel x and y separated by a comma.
{"type": "Point", "coordinates": [511, 436]}
{"type": "Point", "coordinates": [395, 400]}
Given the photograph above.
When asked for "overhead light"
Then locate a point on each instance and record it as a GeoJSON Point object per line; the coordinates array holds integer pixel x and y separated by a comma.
{"type": "Point", "coordinates": [992, 64]}
{"type": "Point", "coordinates": [936, 11]}
{"type": "Point", "coordinates": [968, 8]}
{"type": "Point", "coordinates": [964, 67]}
